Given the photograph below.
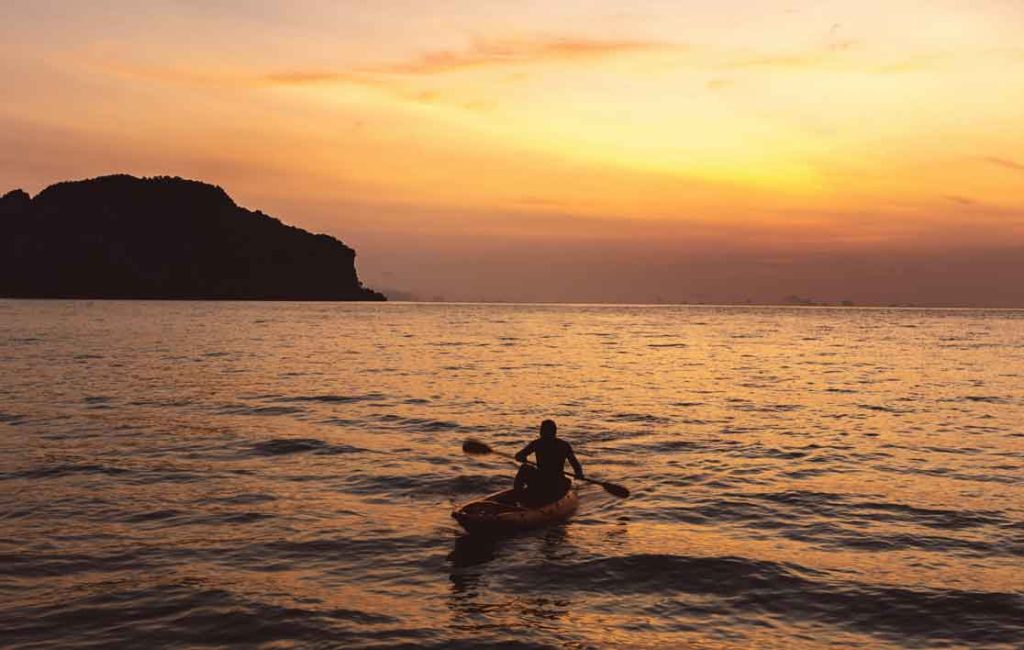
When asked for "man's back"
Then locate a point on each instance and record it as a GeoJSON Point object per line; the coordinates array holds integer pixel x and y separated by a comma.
{"type": "Point", "coordinates": [546, 483]}
{"type": "Point", "coordinates": [552, 453]}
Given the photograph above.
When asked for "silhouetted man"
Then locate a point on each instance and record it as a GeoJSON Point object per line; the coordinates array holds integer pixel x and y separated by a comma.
{"type": "Point", "coordinates": [545, 482]}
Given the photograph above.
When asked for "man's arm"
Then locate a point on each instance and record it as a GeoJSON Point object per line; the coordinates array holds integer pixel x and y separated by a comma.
{"type": "Point", "coordinates": [525, 452]}
{"type": "Point", "coordinates": [576, 467]}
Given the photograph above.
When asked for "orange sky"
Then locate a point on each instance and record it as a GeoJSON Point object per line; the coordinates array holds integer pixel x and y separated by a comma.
{"type": "Point", "coordinates": [559, 150]}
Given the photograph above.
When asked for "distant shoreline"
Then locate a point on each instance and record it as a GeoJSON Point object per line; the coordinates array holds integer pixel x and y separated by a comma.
{"type": "Point", "coordinates": [507, 303]}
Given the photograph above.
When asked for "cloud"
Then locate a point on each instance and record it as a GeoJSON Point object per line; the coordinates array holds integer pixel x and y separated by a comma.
{"type": "Point", "coordinates": [481, 54]}
{"type": "Point", "coordinates": [300, 77]}
{"type": "Point", "coordinates": [960, 200]}
{"type": "Point", "coordinates": [540, 51]}
{"type": "Point", "coordinates": [395, 78]}
{"type": "Point", "coordinates": [391, 87]}
{"type": "Point", "coordinates": [485, 53]}
{"type": "Point", "coordinates": [1005, 163]}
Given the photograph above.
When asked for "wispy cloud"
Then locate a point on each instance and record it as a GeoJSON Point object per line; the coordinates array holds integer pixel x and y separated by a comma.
{"type": "Point", "coordinates": [484, 53]}
{"type": "Point", "coordinates": [961, 200]}
{"type": "Point", "coordinates": [834, 54]}
{"type": "Point", "coordinates": [395, 88]}
{"type": "Point", "coordinates": [1005, 163]}
{"type": "Point", "coordinates": [300, 77]}
{"type": "Point", "coordinates": [480, 54]}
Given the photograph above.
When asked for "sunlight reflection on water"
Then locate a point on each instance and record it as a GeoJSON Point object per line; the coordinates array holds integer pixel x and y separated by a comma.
{"type": "Point", "coordinates": [283, 473]}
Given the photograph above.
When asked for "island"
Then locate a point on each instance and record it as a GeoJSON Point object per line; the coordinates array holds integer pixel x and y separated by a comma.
{"type": "Point", "coordinates": [122, 237]}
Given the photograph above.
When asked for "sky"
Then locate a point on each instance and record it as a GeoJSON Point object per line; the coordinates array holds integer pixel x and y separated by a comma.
{"type": "Point", "coordinates": [642, 151]}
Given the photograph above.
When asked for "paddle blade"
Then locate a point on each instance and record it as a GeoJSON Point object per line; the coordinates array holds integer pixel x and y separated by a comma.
{"type": "Point", "coordinates": [476, 448]}
{"type": "Point", "coordinates": [617, 490]}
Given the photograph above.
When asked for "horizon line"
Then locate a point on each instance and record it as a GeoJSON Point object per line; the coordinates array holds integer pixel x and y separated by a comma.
{"type": "Point", "coordinates": [535, 303]}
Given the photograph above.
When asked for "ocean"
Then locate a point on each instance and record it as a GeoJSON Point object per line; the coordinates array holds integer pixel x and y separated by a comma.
{"type": "Point", "coordinates": [192, 474]}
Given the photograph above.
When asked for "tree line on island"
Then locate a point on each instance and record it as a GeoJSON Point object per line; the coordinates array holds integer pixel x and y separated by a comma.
{"type": "Point", "coordinates": [163, 238]}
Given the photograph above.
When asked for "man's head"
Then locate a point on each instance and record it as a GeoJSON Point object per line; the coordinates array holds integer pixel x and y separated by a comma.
{"type": "Point", "coordinates": [548, 429]}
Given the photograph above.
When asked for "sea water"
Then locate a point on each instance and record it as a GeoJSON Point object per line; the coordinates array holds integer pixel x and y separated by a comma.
{"type": "Point", "coordinates": [202, 473]}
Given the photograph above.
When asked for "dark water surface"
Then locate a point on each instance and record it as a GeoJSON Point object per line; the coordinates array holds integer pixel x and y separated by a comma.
{"type": "Point", "coordinates": [182, 474]}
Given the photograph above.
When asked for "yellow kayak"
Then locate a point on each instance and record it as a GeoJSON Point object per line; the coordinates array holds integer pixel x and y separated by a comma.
{"type": "Point", "coordinates": [503, 512]}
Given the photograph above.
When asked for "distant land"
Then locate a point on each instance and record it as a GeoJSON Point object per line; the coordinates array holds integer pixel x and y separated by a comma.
{"type": "Point", "coordinates": [163, 238]}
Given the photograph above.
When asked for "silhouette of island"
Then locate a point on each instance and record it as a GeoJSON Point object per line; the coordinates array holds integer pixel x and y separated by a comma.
{"type": "Point", "coordinates": [163, 238]}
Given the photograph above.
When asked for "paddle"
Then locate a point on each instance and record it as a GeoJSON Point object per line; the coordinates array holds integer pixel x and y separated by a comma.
{"type": "Point", "coordinates": [477, 448]}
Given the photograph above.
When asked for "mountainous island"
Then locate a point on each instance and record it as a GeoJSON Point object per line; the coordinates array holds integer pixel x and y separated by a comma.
{"type": "Point", "coordinates": [163, 238]}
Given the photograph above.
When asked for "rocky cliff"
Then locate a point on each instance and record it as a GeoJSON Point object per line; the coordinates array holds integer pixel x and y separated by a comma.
{"type": "Point", "coordinates": [164, 238]}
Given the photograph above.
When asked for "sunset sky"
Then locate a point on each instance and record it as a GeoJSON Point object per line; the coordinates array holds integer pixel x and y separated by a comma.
{"type": "Point", "coordinates": [866, 150]}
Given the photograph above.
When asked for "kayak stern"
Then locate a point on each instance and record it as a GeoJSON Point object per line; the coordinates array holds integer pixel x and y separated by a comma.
{"type": "Point", "coordinates": [502, 513]}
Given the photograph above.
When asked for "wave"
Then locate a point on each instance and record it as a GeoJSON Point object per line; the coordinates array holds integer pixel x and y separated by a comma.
{"type": "Point", "coordinates": [46, 564]}
{"type": "Point", "coordinates": [330, 398]}
{"type": "Point", "coordinates": [12, 418]}
{"type": "Point", "coordinates": [284, 446]}
{"type": "Point", "coordinates": [64, 469]}
{"type": "Point", "coordinates": [420, 424]}
{"type": "Point", "coordinates": [643, 418]}
{"type": "Point", "coordinates": [884, 409]}
{"type": "Point", "coordinates": [986, 399]}
{"type": "Point", "coordinates": [833, 521]}
{"type": "Point", "coordinates": [387, 487]}
{"type": "Point", "coordinates": [792, 591]}
{"type": "Point", "coordinates": [167, 518]}
{"type": "Point", "coordinates": [187, 613]}
{"type": "Point", "coordinates": [339, 553]}
{"type": "Point", "coordinates": [245, 409]}
{"type": "Point", "coordinates": [133, 472]}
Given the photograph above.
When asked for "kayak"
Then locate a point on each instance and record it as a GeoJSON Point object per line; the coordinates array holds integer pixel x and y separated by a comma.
{"type": "Point", "coordinates": [502, 512]}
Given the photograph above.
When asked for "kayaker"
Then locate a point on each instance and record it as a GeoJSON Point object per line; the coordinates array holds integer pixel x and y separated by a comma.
{"type": "Point", "coordinates": [545, 482]}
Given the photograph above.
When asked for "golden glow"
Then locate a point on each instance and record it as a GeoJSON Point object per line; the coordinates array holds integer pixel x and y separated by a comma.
{"type": "Point", "coordinates": [846, 122]}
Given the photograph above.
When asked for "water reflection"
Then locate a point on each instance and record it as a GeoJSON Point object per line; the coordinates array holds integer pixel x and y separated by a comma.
{"type": "Point", "coordinates": [477, 560]}
{"type": "Point", "coordinates": [471, 550]}
{"type": "Point", "coordinates": [800, 477]}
